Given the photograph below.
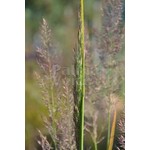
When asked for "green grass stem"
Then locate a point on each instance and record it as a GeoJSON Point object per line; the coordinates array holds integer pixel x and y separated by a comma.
{"type": "Point", "coordinates": [95, 145]}
{"type": "Point", "coordinates": [81, 75]}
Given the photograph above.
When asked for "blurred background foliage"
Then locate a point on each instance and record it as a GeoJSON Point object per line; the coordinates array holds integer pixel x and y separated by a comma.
{"type": "Point", "coordinates": [62, 18]}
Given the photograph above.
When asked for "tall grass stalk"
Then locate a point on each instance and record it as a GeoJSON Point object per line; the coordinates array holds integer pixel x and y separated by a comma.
{"type": "Point", "coordinates": [82, 74]}
{"type": "Point", "coordinates": [79, 86]}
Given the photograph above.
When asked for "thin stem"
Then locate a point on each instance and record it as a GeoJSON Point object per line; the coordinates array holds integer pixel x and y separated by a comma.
{"type": "Point", "coordinates": [95, 145]}
{"type": "Point", "coordinates": [82, 74]}
{"type": "Point", "coordinates": [53, 112]}
{"type": "Point", "coordinates": [108, 133]}
{"type": "Point", "coordinates": [111, 141]}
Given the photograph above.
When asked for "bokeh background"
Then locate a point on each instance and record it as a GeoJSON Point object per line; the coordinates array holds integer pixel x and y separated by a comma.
{"type": "Point", "coordinates": [62, 18]}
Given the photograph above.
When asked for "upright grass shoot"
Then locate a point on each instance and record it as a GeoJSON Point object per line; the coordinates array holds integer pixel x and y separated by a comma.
{"type": "Point", "coordinates": [82, 73]}
{"type": "Point", "coordinates": [79, 92]}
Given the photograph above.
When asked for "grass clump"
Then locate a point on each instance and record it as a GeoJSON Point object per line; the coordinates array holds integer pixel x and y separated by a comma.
{"type": "Point", "coordinates": [96, 92]}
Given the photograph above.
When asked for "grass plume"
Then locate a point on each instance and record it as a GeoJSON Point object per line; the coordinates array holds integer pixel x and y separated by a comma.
{"type": "Point", "coordinates": [56, 90]}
